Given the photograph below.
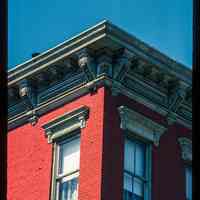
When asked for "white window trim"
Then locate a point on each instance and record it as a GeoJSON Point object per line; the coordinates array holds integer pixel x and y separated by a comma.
{"type": "Point", "coordinates": [64, 126]}
{"type": "Point", "coordinates": [140, 125]}
{"type": "Point", "coordinates": [186, 148]}
{"type": "Point", "coordinates": [66, 123]}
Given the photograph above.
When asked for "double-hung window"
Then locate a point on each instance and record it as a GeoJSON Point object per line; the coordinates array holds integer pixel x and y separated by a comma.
{"type": "Point", "coordinates": [64, 132]}
{"type": "Point", "coordinates": [186, 152]}
{"type": "Point", "coordinates": [141, 133]}
{"type": "Point", "coordinates": [67, 172]}
{"type": "Point", "coordinates": [188, 181]}
{"type": "Point", "coordinates": [136, 182]}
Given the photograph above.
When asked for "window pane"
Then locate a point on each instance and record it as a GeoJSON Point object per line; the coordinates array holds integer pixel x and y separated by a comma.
{"type": "Point", "coordinates": [129, 156]}
{"type": "Point", "coordinates": [138, 187]}
{"type": "Point", "coordinates": [69, 190]}
{"type": "Point", "coordinates": [70, 156]}
{"type": "Point", "coordinates": [127, 195]}
{"type": "Point", "coordinates": [189, 183]}
{"type": "Point", "coordinates": [140, 160]}
{"type": "Point", "coordinates": [128, 182]}
{"type": "Point", "coordinates": [136, 197]}
{"type": "Point", "coordinates": [134, 170]}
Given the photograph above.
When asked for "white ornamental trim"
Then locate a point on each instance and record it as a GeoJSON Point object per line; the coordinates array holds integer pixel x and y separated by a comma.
{"type": "Point", "coordinates": [66, 123]}
{"type": "Point", "coordinates": [140, 125]}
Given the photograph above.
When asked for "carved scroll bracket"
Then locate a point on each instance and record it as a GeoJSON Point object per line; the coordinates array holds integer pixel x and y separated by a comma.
{"type": "Point", "coordinates": [123, 64]}
{"type": "Point", "coordinates": [86, 63]}
{"type": "Point", "coordinates": [176, 99]}
{"type": "Point", "coordinates": [26, 93]}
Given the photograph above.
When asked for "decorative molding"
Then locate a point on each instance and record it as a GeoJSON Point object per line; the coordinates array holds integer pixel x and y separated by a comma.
{"type": "Point", "coordinates": [86, 63]}
{"type": "Point", "coordinates": [140, 125]}
{"type": "Point", "coordinates": [123, 64]}
{"type": "Point", "coordinates": [171, 118]}
{"type": "Point", "coordinates": [100, 53]}
{"type": "Point", "coordinates": [104, 62]}
{"type": "Point", "coordinates": [26, 93]}
{"type": "Point", "coordinates": [24, 88]}
{"type": "Point", "coordinates": [33, 118]}
{"type": "Point", "coordinates": [19, 118]}
{"type": "Point", "coordinates": [66, 123]}
{"type": "Point", "coordinates": [176, 100]}
{"type": "Point", "coordinates": [186, 148]}
{"type": "Point", "coordinates": [104, 31]}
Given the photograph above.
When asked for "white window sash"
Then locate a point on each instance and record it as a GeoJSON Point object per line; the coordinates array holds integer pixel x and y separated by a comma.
{"type": "Point", "coordinates": [65, 177]}
{"type": "Point", "coordinates": [146, 180]}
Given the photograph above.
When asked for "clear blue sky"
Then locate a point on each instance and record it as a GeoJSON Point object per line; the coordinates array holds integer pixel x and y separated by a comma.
{"type": "Point", "coordinates": [37, 25]}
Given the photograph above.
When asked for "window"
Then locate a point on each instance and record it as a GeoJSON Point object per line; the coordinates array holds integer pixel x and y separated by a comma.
{"type": "Point", "coordinates": [67, 172]}
{"type": "Point", "coordinates": [64, 133]}
{"type": "Point", "coordinates": [136, 183]}
{"type": "Point", "coordinates": [186, 153]}
{"type": "Point", "coordinates": [188, 180]}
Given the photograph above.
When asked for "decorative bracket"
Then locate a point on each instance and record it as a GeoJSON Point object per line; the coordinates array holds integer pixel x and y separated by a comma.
{"type": "Point", "coordinates": [86, 63]}
{"type": "Point", "coordinates": [140, 125]}
{"type": "Point", "coordinates": [186, 148]}
{"type": "Point", "coordinates": [66, 123]}
{"type": "Point", "coordinates": [176, 100]}
{"type": "Point", "coordinates": [123, 64]}
{"type": "Point", "coordinates": [104, 62]}
{"type": "Point", "coordinates": [26, 93]}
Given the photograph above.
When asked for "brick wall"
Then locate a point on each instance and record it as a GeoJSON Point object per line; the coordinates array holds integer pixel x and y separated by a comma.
{"type": "Point", "coordinates": [168, 178]}
{"type": "Point", "coordinates": [30, 156]}
{"type": "Point", "coordinates": [102, 149]}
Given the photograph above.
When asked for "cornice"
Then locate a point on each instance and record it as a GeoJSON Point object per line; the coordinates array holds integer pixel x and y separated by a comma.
{"type": "Point", "coordinates": [104, 29]}
{"type": "Point", "coordinates": [101, 55]}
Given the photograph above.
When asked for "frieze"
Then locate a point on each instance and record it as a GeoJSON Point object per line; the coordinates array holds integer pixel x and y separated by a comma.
{"type": "Point", "coordinates": [145, 90]}
{"type": "Point", "coordinates": [61, 87]}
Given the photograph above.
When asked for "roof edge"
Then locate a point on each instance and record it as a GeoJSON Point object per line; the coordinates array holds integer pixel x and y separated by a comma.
{"type": "Point", "coordinates": [109, 29]}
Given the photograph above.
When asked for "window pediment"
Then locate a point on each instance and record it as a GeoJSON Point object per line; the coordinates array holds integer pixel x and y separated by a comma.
{"type": "Point", "coordinates": [186, 148]}
{"type": "Point", "coordinates": [140, 125]}
{"type": "Point", "coordinates": [66, 123]}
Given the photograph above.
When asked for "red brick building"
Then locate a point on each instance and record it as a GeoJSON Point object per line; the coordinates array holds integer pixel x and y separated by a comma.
{"type": "Point", "coordinates": [102, 116]}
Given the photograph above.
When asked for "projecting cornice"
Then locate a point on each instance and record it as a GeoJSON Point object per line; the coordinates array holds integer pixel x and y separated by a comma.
{"type": "Point", "coordinates": [101, 55]}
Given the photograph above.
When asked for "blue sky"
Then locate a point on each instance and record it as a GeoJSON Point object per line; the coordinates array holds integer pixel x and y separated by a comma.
{"type": "Point", "coordinates": [36, 26]}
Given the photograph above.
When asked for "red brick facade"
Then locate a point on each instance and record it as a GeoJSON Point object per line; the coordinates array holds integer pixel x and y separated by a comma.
{"type": "Point", "coordinates": [101, 162]}
{"type": "Point", "coordinates": [108, 84]}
